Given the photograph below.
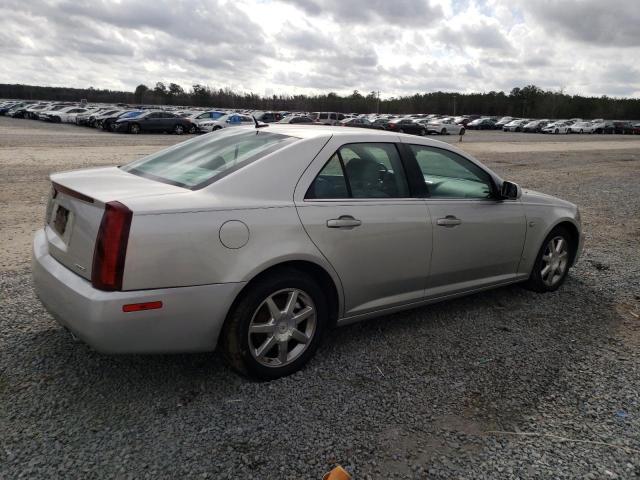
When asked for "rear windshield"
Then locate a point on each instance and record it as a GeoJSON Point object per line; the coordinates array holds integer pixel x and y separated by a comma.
{"type": "Point", "coordinates": [203, 160]}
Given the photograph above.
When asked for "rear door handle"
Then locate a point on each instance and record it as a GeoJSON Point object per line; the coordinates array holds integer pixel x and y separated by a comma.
{"type": "Point", "coordinates": [448, 221]}
{"type": "Point", "coordinates": [345, 221]}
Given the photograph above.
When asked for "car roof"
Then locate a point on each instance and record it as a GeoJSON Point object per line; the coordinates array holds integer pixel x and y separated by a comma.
{"type": "Point", "coordinates": [312, 131]}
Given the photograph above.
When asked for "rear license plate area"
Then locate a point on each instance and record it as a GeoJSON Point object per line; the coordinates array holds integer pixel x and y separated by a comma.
{"type": "Point", "coordinates": [60, 220]}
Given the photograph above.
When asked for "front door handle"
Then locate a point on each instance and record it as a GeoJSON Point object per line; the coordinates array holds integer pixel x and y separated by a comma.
{"type": "Point", "coordinates": [345, 221]}
{"type": "Point", "coordinates": [448, 221]}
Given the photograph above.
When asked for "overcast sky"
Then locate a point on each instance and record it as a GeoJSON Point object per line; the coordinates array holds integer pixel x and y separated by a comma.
{"type": "Point", "coordinates": [400, 47]}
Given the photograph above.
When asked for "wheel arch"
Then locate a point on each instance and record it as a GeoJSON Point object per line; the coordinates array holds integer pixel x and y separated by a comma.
{"type": "Point", "coordinates": [329, 285]}
{"type": "Point", "coordinates": [573, 229]}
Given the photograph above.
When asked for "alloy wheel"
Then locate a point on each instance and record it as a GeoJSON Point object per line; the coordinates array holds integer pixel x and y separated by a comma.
{"type": "Point", "coordinates": [282, 327]}
{"type": "Point", "coordinates": [554, 261]}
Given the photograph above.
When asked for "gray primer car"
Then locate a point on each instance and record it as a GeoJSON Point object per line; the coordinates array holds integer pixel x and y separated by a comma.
{"type": "Point", "coordinates": [258, 240]}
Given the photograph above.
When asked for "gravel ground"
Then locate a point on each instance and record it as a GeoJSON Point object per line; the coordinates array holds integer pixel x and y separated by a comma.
{"type": "Point", "coordinates": [504, 384]}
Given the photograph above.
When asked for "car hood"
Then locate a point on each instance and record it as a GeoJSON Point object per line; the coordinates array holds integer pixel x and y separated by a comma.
{"type": "Point", "coordinates": [539, 198]}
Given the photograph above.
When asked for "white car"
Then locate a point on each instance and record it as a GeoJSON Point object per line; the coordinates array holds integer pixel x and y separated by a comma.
{"type": "Point", "coordinates": [327, 118]}
{"type": "Point", "coordinates": [64, 115]}
{"type": "Point", "coordinates": [231, 120]}
{"type": "Point", "coordinates": [582, 127]}
{"type": "Point", "coordinates": [443, 126]}
{"type": "Point", "coordinates": [51, 110]}
{"type": "Point", "coordinates": [561, 126]}
{"type": "Point", "coordinates": [515, 125]}
{"type": "Point", "coordinates": [71, 115]}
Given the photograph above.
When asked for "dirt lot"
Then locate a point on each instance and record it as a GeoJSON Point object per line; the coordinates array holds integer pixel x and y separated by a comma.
{"type": "Point", "coordinates": [505, 384]}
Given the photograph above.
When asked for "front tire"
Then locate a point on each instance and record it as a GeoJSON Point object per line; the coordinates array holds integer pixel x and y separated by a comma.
{"type": "Point", "coordinates": [134, 128]}
{"type": "Point", "coordinates": [553, 262]}
{"type": "Point", "coordinates": [275, 326]}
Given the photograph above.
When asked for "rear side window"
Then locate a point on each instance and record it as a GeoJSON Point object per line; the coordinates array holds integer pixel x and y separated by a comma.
{"type": "Point", "coordinates": [198, 162]}
{"type": "Point", "coordinates": [361, 170]}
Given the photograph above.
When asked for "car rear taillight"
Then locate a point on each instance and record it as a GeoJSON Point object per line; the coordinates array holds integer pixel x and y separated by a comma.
{"type": "Point", "coordinates": [111, 247]}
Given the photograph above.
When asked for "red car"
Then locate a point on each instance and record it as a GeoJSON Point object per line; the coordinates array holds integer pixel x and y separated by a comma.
{"type": "Point", "coordinates": [636, 129]}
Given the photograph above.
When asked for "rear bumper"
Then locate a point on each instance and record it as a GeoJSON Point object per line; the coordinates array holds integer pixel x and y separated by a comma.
{"type": "Point", "coordinates": [189, 320]}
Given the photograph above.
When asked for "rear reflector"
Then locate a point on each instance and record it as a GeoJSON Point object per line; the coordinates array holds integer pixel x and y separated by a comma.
{"type": "Point", "coordinates": [138, 307]}
{"type": "Point", "coordinates": [111, 247]}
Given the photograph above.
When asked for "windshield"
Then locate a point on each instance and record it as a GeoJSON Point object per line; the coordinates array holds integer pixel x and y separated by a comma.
{"type": "Point", "coordinates": [132, 114]}
{"type": "Point", "coordinates": [203, 160]}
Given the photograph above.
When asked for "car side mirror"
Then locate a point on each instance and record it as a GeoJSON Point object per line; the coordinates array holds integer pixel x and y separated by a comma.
{"type": "Point", "coordinates": [510, 191]}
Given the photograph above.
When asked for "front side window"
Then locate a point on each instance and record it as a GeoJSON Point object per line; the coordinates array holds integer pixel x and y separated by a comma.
{"type": "Point", "coordinates": [448, 175]}
{"type": "Point", "coordinates": [198, 162]}
{"type": "Point", "coordinates": [361, 170]}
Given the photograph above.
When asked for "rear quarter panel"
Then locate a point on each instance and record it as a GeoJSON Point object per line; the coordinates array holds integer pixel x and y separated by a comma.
{"type": "Point", "coordinates": [182, 249]}
{"type": "Point", "coordinates": [175, 240]}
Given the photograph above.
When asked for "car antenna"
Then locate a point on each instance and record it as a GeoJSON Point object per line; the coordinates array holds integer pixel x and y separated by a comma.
{"type": "Point", "coordinates": [257, 124]}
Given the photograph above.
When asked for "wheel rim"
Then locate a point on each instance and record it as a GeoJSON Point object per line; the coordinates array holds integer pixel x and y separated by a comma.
{"type": "Point", "coordinates": [179, 129]}
{"type": "Point", "coordinates": [135, 128]}
{"type": "Point", "coordinates": [282, 328]}
{"type": "Point", "coordinates": [554, 261]}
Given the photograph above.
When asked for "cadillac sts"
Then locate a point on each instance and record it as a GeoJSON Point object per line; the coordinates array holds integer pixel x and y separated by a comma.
{"type": "Point", "coordinates": [257, 240]}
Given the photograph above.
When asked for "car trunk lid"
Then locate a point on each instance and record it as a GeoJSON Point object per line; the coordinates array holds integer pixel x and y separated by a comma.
{"type": "Point", "coordinates": [76, 206]}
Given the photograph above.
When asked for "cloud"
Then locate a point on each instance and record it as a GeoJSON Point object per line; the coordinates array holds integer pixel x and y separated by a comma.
{"type": "Point", "coordinates": [307, 46]}
{"type": "Point", "coordinates": [483, 35]}
{"type": "Point", "coordinates": [612, 23]}
{"type": "Point", "coordinates": [373, 12]}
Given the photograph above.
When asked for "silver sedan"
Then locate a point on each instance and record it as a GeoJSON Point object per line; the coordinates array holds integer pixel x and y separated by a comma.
{"type": "Point", "coordinates": [256, 241]}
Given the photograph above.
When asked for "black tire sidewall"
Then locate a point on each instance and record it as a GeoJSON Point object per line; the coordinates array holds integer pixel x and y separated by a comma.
{"type": "Point", "coordinates": [235, 334]}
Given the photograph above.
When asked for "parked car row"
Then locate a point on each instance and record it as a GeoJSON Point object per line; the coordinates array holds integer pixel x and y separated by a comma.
{"type": "Point", "coordinates": [545, 125]}
{"type": "Point", "coordinates": [179, 120]}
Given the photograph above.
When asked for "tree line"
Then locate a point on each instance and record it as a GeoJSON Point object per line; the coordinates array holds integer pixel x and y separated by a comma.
{"type": "Point", "coordinates": [529, 101]}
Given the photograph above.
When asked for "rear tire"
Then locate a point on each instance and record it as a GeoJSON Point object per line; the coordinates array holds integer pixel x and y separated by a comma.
{"type": "Point", "coordinates": [178, 129]}
{"type": "Point", "coordinates": [253, 339]}
{"type": "Point", "coordinates": [443, 131]}
{"type": "Point", "coordinates": [134, 128]}
{"type": "Point", "coordinates": [553, 261]}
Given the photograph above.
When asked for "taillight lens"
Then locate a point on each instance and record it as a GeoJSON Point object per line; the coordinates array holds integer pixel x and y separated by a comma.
{"type": "Point", "coordinates": [111, 247]}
